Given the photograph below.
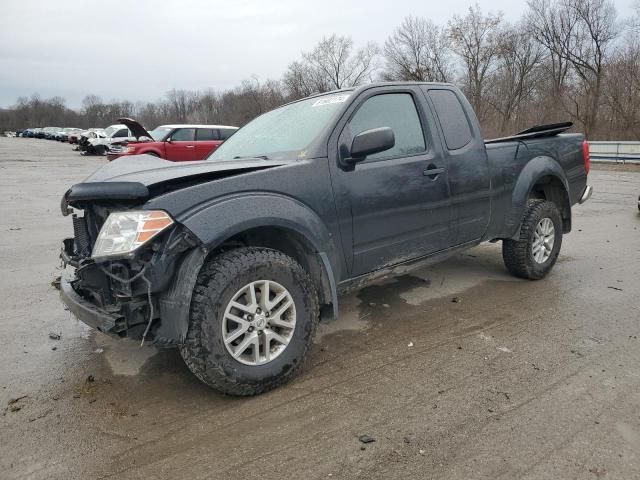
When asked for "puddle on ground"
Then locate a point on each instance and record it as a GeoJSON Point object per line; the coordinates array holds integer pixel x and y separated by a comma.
{"type": "Point", "coordinates": [448, 279]}
{"type": "Point", "coordinates": [124, 357]}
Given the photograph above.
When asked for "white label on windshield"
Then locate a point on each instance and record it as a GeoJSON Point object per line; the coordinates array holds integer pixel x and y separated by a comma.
{"type": "Point", "coordinates": [330, 100]}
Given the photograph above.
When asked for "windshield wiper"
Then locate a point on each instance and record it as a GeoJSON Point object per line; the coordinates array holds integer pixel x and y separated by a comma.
{"type": "Point", "coordinates": [263, 157]}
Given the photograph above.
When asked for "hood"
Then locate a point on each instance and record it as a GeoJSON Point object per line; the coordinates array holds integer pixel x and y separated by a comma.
{"type": "Point", "coordinates": [135, 128]}
{"type": "Point", "coordinates": [134, 177]}
{"type": "Point", "coordinates": [149, 170]}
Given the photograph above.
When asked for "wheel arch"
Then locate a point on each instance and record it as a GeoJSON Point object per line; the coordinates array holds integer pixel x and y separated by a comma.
{"type": "Point", "coordinates": [544, 178]}
{"type": "Point", "coordinates": [263, 220]}
{"type": "Point", "coordinates": [299, 247]}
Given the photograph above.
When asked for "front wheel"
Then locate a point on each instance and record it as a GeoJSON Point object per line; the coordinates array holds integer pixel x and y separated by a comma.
{"type": "Point", "coordinates": [254, 312]}
{"type": "Point", "coordinates": [535, 252]}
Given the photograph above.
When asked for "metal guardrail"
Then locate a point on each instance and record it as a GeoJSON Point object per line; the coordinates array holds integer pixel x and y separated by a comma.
{"type": "Point", "coordinates": [618, 152]}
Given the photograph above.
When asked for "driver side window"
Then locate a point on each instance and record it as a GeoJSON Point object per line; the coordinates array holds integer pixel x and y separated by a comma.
{"type": "Point", "coordinates": [394, 110]}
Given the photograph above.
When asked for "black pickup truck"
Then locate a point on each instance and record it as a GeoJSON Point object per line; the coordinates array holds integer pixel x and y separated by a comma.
{"type": "Point", "coordinates": [235, 259]}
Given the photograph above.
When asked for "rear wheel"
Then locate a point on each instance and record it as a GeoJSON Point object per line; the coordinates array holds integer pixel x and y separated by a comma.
{"type": "Point", "coordinates": [253, 315]}
{"type": "Point", "coordinates": [535, 252]}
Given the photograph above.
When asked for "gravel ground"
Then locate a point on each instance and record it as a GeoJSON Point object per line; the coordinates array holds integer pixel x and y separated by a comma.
{"type": "Point", "coordinates": [515, 379]}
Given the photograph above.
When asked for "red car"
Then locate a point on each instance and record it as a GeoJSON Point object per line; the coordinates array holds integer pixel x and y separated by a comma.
{"type": "Point", "coordinates": [178, 143]}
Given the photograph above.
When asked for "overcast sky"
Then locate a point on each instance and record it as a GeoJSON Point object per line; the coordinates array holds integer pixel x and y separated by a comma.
{"type": "Point", "coordinates": [139, 49]}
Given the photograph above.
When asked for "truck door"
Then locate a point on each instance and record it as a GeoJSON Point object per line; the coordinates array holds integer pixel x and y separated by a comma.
{"type": "Point", "coordinates": [396, 202]}
{"type": "Point", "coordinates": [181, 145]}
{"type": "Point", "coordinates": [469, 179]}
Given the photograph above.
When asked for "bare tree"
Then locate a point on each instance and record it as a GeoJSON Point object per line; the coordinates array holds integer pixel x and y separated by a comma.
{"type": "Point", "coordinates": [181, 103]}
{"type": "Point", "coordinates": [477, 39]}
{"type": "Point", "coordinates": [332, 64]}
{"type": "Point", "coordinates": [634, 22]}
{"type": "Point", "coordinates": [581, 33]}
{"type": "Point", "coordinates": [418, 50]}
{"type": "Point", "coordinates": [302, 80]}
{"type": "Point", "coordinates": [622, 93]}
{"type": "Point", "coordinates": [516, 77]}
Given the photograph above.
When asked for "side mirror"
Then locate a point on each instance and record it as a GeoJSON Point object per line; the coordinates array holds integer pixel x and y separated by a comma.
{"type": "Point", "coordinates": [168, 140]}
{"type": "Point", "coordinates": [368, 143]}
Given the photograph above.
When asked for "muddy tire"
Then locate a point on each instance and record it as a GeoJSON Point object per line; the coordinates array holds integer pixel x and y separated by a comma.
{"type": "Point", "coordinates": [535, 252]}
{"type": "Point", "coordinates": [229, 308]}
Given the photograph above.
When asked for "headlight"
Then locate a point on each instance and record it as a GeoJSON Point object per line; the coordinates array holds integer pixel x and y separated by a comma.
{"type": "Point", "coordinates": [131, 149]}
{"type": "Point", "coordinates": [124, 232]}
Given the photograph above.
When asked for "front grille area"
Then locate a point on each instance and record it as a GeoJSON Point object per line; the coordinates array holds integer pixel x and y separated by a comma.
{"type": "Point", "coordinates": [81, 236]}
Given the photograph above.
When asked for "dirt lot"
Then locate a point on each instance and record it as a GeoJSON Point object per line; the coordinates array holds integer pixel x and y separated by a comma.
{"type": "Point", "coordinates": [514, 379]}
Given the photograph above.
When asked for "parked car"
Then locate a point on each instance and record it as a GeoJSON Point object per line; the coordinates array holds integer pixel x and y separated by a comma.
{"type": "Point", "coordinates": [85, 136]}
{"type": "Point", "coordinates": [43, 132]}
{"type": "Point", "coordinates": [235, 259]}
{"type": "Point", "coordinates": [74, 137]}
{"type": "Point", "coordinates": [100, 143]}
{"type": "Point", "coordinates": [63, 136]}
{"type": "Point", "coordinates": [178, 143]}
{"type": "Point", "coordinates": [50, 132]}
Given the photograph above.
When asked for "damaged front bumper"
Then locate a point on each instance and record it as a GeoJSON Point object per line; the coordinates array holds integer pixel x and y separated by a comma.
{"type": "Point", "coordinates": [106, 322]}
{"type": "Point", "coordinates": [149, 302]}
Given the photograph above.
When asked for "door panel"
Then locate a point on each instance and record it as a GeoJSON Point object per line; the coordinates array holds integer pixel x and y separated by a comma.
{"type": "Point", "coordinates": [207, 140]}
{"type": "Point", "coordinates": [469, 178]}
{"type": "Point", "coordinates": [398, 200]}
{"type": "Point", "coordinates": [182, 147]}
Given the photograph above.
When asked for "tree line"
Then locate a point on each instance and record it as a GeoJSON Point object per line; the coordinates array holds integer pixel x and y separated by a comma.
{"type": "Point", "coordinates": [563, 60]}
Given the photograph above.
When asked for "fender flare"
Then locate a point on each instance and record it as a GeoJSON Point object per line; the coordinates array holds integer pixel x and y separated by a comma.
{"type": "Point", "coordinates": [225, 217]}
{"type": "Point", "coordinates": [532, 172]}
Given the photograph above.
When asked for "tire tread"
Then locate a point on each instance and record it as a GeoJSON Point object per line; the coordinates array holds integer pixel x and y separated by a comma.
{"type": "Point", "coordinates": [214, 277]}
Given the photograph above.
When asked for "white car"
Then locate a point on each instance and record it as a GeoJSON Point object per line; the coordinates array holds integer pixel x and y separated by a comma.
{"type": "Point", "coordinates": [102, 141]}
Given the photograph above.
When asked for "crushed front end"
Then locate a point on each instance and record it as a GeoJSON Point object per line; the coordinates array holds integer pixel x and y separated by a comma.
{"type": "Point", "coordinates": [121, 261]}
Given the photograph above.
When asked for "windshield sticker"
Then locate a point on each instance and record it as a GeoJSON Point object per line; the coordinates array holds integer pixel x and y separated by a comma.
{"type": "Point", "coordinates": [330, 100]}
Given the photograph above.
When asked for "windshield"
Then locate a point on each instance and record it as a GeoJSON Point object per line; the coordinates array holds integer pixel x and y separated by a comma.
{"type": "Point", "coordinates": [109, 130]}
{"type": "Point", "coordinates": [280, 132]}
{"type": "Point", "coordinates": [159, 133]}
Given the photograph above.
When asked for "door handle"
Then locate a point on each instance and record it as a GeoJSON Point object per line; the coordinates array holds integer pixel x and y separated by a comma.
{"type": "Point", "coordinates": [191, 146]}
{"type": "Point", "coordinates": [432, 171]}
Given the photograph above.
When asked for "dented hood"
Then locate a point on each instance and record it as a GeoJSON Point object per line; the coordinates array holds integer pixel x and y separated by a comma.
{"type": "Point", "coordinates": [149, 170]}
{"type": "Point", "coordinates": [133, 178]}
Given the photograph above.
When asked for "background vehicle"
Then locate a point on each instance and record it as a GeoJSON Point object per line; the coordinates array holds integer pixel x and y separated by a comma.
{"type": "Point", "coordinates": [101, 142]}
{"type": "Point", "coordinates": [75, 136]}
{"type": "Point", "coordinates": [235, 259]}
{"type": "Point", "coordinates": [85, 136]}
{"type": "Point", "coordinates": [45, 132]}
{"type": "Point", "coordinates": [177, 143]}
{"type": "Point", "coordinates": [50, 132]}
{"type": "Point", "coordinates": [63, 135]}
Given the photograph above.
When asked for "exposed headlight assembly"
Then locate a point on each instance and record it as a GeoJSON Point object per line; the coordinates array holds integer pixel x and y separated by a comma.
{"type": "Point", "coordinates": [124, 232]}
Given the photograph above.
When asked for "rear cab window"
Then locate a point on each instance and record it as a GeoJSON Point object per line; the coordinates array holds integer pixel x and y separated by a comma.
{"type": "Point", "coordinates": [397, 111]}
{"type": "Point", "coordinates": [453, 120]}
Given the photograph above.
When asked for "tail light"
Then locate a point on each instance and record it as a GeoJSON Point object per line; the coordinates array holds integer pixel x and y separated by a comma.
{"type": "Point", "coordinates": [585, 156]}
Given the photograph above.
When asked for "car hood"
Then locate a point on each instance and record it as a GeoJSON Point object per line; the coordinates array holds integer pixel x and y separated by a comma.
{"type": "Point", "coordinates": [137, 178]}
{"type": "Point", "coordinates": [149, 170]}
{"type": "Point", "coordinates": [135, 128]}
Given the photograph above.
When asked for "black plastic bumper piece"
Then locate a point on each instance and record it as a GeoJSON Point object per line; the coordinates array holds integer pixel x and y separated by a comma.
{"type": "Point", "coordinates": [87, 312]}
